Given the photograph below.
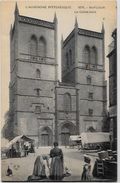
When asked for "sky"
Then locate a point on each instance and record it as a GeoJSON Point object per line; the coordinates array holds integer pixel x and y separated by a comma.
{"type": "Point", "coordinates": [90, 15]}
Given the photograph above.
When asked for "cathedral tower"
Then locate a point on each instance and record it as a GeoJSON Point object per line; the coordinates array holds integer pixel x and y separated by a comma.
{"type": "Point", "coordinates": [83, 64]}
{"type": "Point", "coordinates": [33, 71]}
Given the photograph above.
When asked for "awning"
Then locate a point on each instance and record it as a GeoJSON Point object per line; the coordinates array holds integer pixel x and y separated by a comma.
{"type": "Point", "coordinates": [95, 137]}
{"type": "Point", "coordinates": [18, 138]}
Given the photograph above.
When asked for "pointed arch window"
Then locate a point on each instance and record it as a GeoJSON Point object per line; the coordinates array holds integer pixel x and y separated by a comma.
{"type": "Point", "coordinates": [38, 73]}
{"type": "Point", "coordinates": [93, 55]}
{"type": "Point", "coordinates": [42, 47]}
{"type": "Point", "coordinates": [86, 54]}
{"type": "Point", "coordinates": [33, 45]}
{"type": "Point", "coordinates": [67, 102]}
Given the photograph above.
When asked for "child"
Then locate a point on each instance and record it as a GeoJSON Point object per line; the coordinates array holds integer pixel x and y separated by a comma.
{"type": "Point", "coordinates": [86, 169]}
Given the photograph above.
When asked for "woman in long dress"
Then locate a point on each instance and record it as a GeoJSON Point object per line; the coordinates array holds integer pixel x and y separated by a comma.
{"type": "Point", "coordinates": [39, 168]}
{"type": "Point", "coordinates": [56, 168]}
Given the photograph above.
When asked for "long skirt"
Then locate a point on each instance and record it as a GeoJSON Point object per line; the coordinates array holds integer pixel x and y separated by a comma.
{"type": "Point", "coordinates": [39, 168]}
{"type": "Point", "coordinates": [56, 169]}
{"type": "Point", "coordinates": [86, 176]}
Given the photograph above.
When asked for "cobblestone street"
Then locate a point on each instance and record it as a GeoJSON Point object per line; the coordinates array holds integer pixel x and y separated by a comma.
{"type": "Point", "coordinates": [23, 167]}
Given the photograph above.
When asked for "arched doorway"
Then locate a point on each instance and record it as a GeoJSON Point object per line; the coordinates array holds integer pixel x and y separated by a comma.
{"type": "Point", "coordinates": [45, 138]}
{"type": "Point", "coordinates": [66, 130]}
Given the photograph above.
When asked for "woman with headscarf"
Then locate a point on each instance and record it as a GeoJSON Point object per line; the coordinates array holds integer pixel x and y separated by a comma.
{"type": "Point", "coordinates": [56, 168]}
{"type": "Point", "coordinates": [39, 167]}
{"type": "Point", "coordinates": [38, 170]}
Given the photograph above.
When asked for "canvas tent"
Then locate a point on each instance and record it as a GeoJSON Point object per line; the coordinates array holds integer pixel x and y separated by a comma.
{"type": "Point", "coordinates": [19, 139]}
{"type": "Point", "coordinates": [94, 138]}
{"type": "Point", "coordinates": [20, 146]}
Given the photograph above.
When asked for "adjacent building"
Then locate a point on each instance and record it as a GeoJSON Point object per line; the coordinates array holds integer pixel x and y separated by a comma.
{"type": "Point", "coordinates": [113, 89]}
{"type": "Point", "coordinates": [44, 108]}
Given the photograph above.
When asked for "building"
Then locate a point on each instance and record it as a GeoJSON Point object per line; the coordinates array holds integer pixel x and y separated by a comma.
{"type": "Point", "coordinates": [113, 89]}
{"type": "Point", "coordinates": [44, 108]}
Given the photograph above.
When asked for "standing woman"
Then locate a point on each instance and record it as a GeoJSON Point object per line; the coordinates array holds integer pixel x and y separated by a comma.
{"type": "Point", "coordinates": [56, 168]}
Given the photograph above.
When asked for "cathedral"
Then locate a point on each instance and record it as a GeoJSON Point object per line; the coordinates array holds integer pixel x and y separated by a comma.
{"type": "Point", "coordinates": [44, 108]}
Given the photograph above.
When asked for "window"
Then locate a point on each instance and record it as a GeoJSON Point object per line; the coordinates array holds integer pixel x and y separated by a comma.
{"type": "Point", "coordinates": [37, 109]}
{"type": "Point", "coordinates": [93, 55]}
{"type": "Point", "coordinates": [67, 60]}
{"type": "Point", "coordinates": [86, 54]}
{"type": "Point", "coordinates": [67, 102]}
{"type": "Point", "coordinates": [70, 55]}
{"type": "Point", "coordinates": [89, 80]}
{"type": "Point", "coordinates": [37, 91]}
{"type": "Point", "coordinates": [37, 73]}
{"type": "Point", "coordinates": [33, 45]}
{"type": "Point", "coordinates": [90, 95]}
{"type": "Point", "coordinates": [42, 47]}
{"type": "Point", "coordinates": [90, 111]}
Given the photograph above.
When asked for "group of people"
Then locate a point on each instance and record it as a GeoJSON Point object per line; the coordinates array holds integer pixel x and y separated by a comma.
{"type": "Point", "coordinates": [28, 148]}
{"type": "Point", "coordinates": [55, 168]}
{"type": "Point", "coordinates": [19, 150]}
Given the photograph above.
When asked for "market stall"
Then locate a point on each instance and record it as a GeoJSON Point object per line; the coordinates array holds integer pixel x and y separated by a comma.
{"type": "Point", "coordinates": [20, 146]}
{"type": "Point", "coordinates": [95, 140]}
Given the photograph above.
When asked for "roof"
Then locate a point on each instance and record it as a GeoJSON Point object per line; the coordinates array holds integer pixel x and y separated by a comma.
{"type": "Point", "coordinates": [95, 137]}
{"type": "Point", "coordinates": [18, 138]}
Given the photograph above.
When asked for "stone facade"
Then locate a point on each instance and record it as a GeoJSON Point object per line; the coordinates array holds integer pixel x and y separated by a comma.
{"type": "Point", "coordinates": [43, 108]}
{"type": "Point", "coordinates": [113, 89]}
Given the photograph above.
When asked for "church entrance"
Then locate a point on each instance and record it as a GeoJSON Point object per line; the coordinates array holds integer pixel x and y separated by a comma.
{"type": "Point", "coordinates": [65, 135]}
{"type": "Point", "coordinates": [67, 130]}
{"type": "Point", "coordinates": [45, 138]}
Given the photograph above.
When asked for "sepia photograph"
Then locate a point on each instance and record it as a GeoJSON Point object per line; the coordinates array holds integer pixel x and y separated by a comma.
{"type": "Point", "coordinates": [59, 91]}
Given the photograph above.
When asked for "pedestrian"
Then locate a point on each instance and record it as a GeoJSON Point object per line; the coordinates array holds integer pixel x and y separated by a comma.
{"type": "Point", "coordinates": [39, 172]}
{"type": "Point", "coordinates": [86, 169]}
{"type": "Point", "coordinates": [56, 167]}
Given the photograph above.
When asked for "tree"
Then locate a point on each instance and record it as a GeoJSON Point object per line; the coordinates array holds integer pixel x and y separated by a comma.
{"type": "Point", "coordinates": [7, 130]}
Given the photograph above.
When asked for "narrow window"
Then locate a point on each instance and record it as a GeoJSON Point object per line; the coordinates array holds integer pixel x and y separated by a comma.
{"type": "Point", "coordinates": [70, 56]}
{"type": "Point", "coordinates": [89, 80]}
{"type": "Point", "coordinates": [90, 95]}
{"type": "Point", "coordinates": [67, 60]}
{"type": "Point", "coordinates": [67, 102]}
{"type": "Point", "coordinates": [86, 55]}
{"type": "Point", "coordinates": [42, 47]}
{"type": "Point", "coordinates": [93, 56]}
{"type": "Point", "coordinates": [33, 46]}
{"type": "Point", "coordinates": [37, 90]}
{"type": "Point", "coordinates": [90, 111]}
{"type": "Point", "coordinates": [37, 73]}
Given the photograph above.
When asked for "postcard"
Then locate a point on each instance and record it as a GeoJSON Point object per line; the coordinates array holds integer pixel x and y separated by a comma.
{"type": "Point", "coordinates": [59, 91]}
